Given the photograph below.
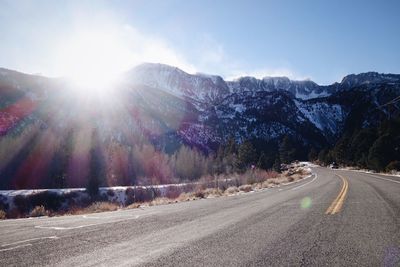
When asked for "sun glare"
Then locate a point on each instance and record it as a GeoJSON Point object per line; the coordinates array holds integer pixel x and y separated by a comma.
{"type": "Point", "coordinates": [93, 61]}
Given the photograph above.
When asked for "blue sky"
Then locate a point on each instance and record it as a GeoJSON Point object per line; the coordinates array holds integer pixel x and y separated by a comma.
{"type": "Point", "coordinates": [320, 40]}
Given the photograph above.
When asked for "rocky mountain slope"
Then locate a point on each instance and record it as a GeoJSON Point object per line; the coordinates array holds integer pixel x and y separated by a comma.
{"type": "Point", "coordinates": [167, 105]}
{"type": "Point", "coordinates": [249, 108]}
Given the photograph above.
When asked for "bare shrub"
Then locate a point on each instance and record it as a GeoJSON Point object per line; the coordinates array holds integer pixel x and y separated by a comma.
{"type": "Point", "coordinates": [148, 194]}
{"type": "Point", "coordinates": [258, 176]}
{"type": "Point", "coordinates": [266, 184]}
{"type": "Point", "coordinates": [133, 206]}
{"type": "Point", "coordinates": [161, 201]}
{"type": "Point", "coordinates": [212, 192]}
{"type": "Point", "coordinates": [93, 208]}
{"type": "Point", "coordinates": [203, 183]}
{"type": "Point", "coordinates": [257, 186]}
{"type": "Point", "coordinates": [199, 194]}
{"type": "Point", "coordinates": [274, 181]}
{"type": "Point", "coordinates": [3, 215]}
{"type": "Point", "coordinates": [39, 211]}
{"type": "Point", "coordinates": [231, 190]}
{"type": "Point", "coordinates": [245, 188]}
{"type": "Point", "coordinates": [185, 197]}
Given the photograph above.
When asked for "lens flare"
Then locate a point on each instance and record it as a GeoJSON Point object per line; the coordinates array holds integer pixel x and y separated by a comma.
{"type": "Point", "coordinates": [306, 203]}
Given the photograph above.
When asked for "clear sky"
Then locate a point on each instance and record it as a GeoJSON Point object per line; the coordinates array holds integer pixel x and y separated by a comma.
{"type": "Point", "coordinates": [320, 40]}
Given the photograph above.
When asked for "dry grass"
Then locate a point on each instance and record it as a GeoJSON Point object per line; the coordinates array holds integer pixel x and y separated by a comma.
{"type": "Point", "coordinates": [95, 208]}
{"type": "Point", "coordinates": [227, 185]}
{"type": "Point", "coordinates": [39, 211]}
{"type": "Point", "coordinates": [185, 197]}
{"type": "Point", "coordinates": [279, 180]}
{"type": "Point", "coordinates": [212, 192]}
{"type": "Point", "coordinates": [199, 194]}
{"type": "Point", "coordinates": [266, 184]}
{"type": "Point", "coordinates": [160, 201]}
{"type": "Point", "coordinates": [257, 186]}
{"type": "Point", "coordinates": [231, 190]}
{"type": "Point", "coordinates": [245, 188]}
{"type": "Point", "coordinates": [133, 206]}
{"type": "Point", "coordinates": [3, 215]}
{"type": "Point", "coordinates": [265, 180]}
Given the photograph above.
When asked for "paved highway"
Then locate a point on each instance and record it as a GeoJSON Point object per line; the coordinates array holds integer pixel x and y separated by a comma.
{"type": "Point", "coordinates": [335, 218]}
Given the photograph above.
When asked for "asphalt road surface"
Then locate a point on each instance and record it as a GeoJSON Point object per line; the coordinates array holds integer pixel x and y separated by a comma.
{"type": "Point", "coordinates": [335, 218]}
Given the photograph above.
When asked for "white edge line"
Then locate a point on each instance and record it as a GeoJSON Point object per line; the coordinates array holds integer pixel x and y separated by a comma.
{"type": "Point", "coordinates": [381, 178]}
{"type": "Point", "coordinates": [66, 228]}
{"type": "Point", "coordinates": [88, 225]}
{"type": "Point", "coordinates": [28, 240]}
{"type": "Point", "coordinates": [297, 187]}
{"type": "Point", "coordinates": [295, 182]}
{"type": "Point", "coordinates": [20, 246]}
{"type": "Point", "coordinates": [291, 183]}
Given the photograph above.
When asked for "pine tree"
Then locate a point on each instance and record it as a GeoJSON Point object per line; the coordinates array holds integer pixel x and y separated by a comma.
{"type": "Point", "coordinates": [341, 150]}
{"type": "Point", "coordinates": [262, 161]}
{"type": "Point", "coordinates": [360, 145]}
{"type": "Point", "coordinates": [231, 147]}
{"type": "Point", "coordinates": [312, 155]}
{"type": "Point", "coordinates": [287, 150]}
{"type": "Point", "coordinates": [381, 153]}
{"type": "Point", "coordinates": [246, 155]}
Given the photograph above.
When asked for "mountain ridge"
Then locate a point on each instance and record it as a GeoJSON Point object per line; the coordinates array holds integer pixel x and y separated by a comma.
{"type": "Point", "coordinates": [304, 89]}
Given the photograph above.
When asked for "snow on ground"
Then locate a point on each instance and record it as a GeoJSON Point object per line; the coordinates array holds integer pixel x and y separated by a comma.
{"type": "Point", "coordinates": [308, 164]}
{"type": "Point", "coordinates": [324, 116]}
{"type": "Point", "coordinates": [118, 192]}
{"type": "Point", "coordinates": [311, 95]}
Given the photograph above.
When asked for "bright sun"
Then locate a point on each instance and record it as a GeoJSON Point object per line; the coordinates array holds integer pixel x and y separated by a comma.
{"type": "Point", "coordinates": [93, 61]}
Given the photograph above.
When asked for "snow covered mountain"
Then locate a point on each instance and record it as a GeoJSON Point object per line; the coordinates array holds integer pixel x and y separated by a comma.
{"type": "Point", "coordinates": [204, 87]}
{"type": "Point", "coordinates": [198, 88]}
{"type": "Point", "coordinates": [268, 108]}
{"type": "Point", "coordinates": [167, 105]}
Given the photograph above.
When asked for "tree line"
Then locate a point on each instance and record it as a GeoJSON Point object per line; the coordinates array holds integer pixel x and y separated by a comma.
{"type": "Point", "coordinates": [376, 148]}
{"type": "Point", "coordinates": [37, 158]}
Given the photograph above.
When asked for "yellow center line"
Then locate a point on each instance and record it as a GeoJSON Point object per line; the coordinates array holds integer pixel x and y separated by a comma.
{"type": "Point", "coordinates": [337, 204]}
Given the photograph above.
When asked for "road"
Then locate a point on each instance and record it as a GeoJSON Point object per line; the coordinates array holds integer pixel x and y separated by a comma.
{"type": "Point", "coordinates": [335, 218]}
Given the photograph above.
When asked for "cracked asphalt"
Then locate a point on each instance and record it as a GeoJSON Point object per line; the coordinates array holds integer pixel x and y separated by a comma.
{"type": "Point", "coordinates": [285, 226]}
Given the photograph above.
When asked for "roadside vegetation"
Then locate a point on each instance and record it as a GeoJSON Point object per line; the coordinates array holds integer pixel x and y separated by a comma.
{"type": "Point", "coordinates": [48, 203]}
{"type": "Point", "coordinates": [149, 173]}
